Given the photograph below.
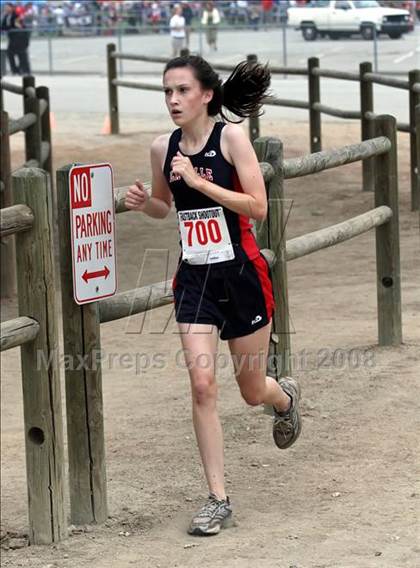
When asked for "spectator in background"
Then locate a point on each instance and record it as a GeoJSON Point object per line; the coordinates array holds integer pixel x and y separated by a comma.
{"type": "Point", "coordinates": [210, 20]}
{"type": "Point", "coordinates": [59, 19]}
{"type": "Point", "coordinates": [177, 30]}
{"type": "Point", "coordinates": [267, 9]}
{"type": "Point", "coordinates": [187, 13]}
{"type": "Point", "coordinates": [255, 15]}
{"type": "Point", "coordinates": [155, 16]}
{"type": "Point", "coordinates": [242, 11]}
{"type": "Point", "coordinates": [18, 40]}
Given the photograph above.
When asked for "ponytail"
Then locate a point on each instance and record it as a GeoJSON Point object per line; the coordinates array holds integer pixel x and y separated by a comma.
{"type": "Point", "coordinates": [241, 94]}
{"type": "Point", "coordinates": [245, 89]}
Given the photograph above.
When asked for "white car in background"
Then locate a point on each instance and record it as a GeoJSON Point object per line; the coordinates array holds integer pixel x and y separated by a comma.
{"type": "Point", "coordinates": [340, 18]}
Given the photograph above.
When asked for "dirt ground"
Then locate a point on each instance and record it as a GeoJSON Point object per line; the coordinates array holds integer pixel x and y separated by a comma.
{"type": "Point", "coordinates": [345, 496]}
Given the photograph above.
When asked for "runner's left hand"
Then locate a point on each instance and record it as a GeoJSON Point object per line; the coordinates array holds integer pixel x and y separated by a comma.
{"type": "Point", "coordinates": [182, 166]}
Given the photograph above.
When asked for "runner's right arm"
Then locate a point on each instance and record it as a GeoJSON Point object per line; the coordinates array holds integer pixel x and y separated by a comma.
{"type": "Point", "coordinates": [158, 204]}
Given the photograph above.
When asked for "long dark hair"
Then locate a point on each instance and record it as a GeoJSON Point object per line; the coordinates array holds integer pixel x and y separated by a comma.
{"type": "Point", "coordinates": [241, 94]}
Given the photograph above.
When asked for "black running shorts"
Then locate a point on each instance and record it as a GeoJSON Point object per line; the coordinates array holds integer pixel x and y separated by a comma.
{"type": "Point", "coordinates": [237, 299]}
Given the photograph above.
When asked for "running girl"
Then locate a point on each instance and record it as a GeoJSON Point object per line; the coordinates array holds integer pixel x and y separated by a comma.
{"type": "Point", "coordinates": [222, 284]}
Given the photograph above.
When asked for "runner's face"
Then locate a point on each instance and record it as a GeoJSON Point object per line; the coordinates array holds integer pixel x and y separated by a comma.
{"type": "Point", "coordinates": [185, 98]}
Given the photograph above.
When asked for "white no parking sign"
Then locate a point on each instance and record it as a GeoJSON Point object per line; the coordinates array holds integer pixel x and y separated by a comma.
{"type": "Point", "coordinates": [92, 221]}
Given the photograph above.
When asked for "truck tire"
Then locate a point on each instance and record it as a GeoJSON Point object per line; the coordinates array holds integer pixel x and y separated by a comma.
{"type": "Point", "coordinates": [309, 32]}
{"type": "Point", "coordinates": [395, 35]}
{"type": "Point", "coordinates": [367, 31]}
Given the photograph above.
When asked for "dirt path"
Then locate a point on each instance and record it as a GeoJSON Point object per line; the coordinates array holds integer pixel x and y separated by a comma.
{"type": "Point", "coordinates": [344, 496]}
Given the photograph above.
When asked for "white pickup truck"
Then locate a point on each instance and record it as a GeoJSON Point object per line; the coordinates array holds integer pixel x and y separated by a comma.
{"type": "Point", "coordinates": [336, 18]}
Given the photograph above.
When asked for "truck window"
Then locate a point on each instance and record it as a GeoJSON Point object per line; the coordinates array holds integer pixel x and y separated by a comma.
{"type": "Point", "coordinates": [319, 4]}
{"type": "Point", "coordinates": [342, 5]}
{"type": "Point", "coordinates": [365, 4]}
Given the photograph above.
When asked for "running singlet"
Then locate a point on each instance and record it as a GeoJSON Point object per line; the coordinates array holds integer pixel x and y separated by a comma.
{"type": "Point", "coordinates": [210, 233]}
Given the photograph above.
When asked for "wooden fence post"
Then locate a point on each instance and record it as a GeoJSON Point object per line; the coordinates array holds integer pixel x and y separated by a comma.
{"type": "Point", "coordinates": [7, 244]}
{"type": "Point", "coordinates": [366, 105]}
{"type": "Point", "coordinates": [43, 93]}
{"type": "Point", "coordinates": [387, 238]}
{"type": "Point", "coordinates": [33, 135]}
{"type": "Point", "coordinates": [112, 89]}
{"type": "Point", "coordinates": [254, 120]}
{"type": "Point", "coordinates": [414, 77]}
{"type": "Point", "coordinates": [314, 86]}
{"type": "Point", "coordinates": [40, 370]}
{"type": "Point", "coordinates": [83, 377]}
{"type": "Point", "coordinates": [272, 234]}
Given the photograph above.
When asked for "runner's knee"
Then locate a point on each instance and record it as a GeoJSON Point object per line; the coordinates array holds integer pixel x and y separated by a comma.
{"type": "Point", "coordinates": [204, 388]}
{"type": "Point", "coordinates": [253, 397]}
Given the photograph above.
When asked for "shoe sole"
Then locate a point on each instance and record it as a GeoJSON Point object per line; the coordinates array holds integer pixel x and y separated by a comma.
{"type": "Point", "coordinates": [225, 524]}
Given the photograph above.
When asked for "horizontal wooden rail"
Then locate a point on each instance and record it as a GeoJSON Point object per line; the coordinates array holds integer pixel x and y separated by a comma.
{"type": "Point", "coordinates": [137, 85]}
{"type": "Point", "coordinates": [403, 127]}
{"type": "Point", "coordinates": [136, 301]}
{"type": "Point", "coordinates": [288, 70]}
{"type": "Point", "coordinates": [330, 236]}
{"type": "Point", "coordinates": [22, 123]}
{"type": "Point", "coordinates": [333, 111]}
{"type": "Point", "coordinates": [389, 81]}
{"type": "Point", "coordinates": [330, 73]}
{"type": "Point", "coordinates": [275, 101]}
{"type": "Point", "coordinates": [29, 91]}
{"type": "Point", "coordinates": [319, 161]}
{"type": "Point", "coordinates": [15, 219]}
{"type": "Point", "coordinates": [17, 332]}
{"type": "Point", "coordinates": [137, 57]}
{"type": "Point", "coordinates": [11, 88]}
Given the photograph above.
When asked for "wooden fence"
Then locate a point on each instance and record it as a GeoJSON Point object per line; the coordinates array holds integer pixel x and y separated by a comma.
{"type": "Point", "coordinates": [366, 79]}
{"type": "Point", "coordinates": [35, 123]}
{"type": "Point", "coordinates": [35, 330]}
{"type": "Point", "coordinates": [81, 324]}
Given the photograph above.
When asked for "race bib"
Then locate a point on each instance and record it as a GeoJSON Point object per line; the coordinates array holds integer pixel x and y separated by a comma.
{"type": "Point", "coordinates": [205, 236]}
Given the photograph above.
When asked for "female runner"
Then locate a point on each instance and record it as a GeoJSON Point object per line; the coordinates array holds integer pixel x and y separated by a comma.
{"type": "Point", "coordinates": [222, 284]}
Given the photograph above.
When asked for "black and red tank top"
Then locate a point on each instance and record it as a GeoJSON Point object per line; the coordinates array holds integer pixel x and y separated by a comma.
{"type": "Point", "coordinates": [211, 165]}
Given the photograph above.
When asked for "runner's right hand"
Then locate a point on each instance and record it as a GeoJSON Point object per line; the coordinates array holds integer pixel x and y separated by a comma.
{"type": "Point", "coordinates": [137, 197]}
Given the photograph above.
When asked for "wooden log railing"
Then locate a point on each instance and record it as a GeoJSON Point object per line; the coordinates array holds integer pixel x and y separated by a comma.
{"type": "Point", "coordinates": [366, 79]}
{"type": "Point", "coordinates": [15, 219]}
{"type": "Point", "coordinates": [35, 124]}
{"type": "Point", "coordinates": [35, 331]}
{"type": "Point", "coordinates": [17, 331]}
{"type": "Point", "coordinates": [313, 163]}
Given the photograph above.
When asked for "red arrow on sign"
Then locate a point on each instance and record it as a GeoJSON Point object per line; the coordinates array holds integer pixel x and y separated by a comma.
{"type": "Point", "coordinates": [88, 275]}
